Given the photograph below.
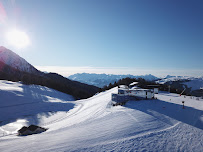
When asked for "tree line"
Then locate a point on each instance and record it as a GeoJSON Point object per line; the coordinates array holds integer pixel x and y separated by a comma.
{"type": "Point", "coordinates": [175, 87]}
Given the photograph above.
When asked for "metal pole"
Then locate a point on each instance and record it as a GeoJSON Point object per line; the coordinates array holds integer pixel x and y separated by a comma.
{"type": "Point", "coordinates": [183, 104]}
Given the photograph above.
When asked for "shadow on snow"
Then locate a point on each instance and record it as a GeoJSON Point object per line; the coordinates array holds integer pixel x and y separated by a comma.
{"type": "Point", "coordinates": [162, 110]}
{"type": "Point", "coordinates": [32, 101]}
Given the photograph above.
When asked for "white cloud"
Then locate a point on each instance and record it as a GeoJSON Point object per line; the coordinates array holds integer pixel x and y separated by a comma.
{"type": "Point", "coordinates": [66, 71]}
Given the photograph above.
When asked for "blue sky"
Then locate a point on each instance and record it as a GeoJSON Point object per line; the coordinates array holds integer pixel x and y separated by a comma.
{"type": "Point", "coordinates": [143, 35]}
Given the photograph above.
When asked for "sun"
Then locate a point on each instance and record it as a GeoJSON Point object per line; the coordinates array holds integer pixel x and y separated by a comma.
{"type": "Point", "coordinates": [17, 38]}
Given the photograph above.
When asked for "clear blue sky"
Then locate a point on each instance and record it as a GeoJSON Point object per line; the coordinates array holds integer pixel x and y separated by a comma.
{"type": "Point", "coordinates": [150, 34]}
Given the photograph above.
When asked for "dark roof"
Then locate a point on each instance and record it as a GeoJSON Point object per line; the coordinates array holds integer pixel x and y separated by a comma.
{"type": "Point", "coordinates": [22, 129]}
{"type": "Point", "coordinates": [33, 127]}
{"type": "Point", "coordinates": [154, 85]}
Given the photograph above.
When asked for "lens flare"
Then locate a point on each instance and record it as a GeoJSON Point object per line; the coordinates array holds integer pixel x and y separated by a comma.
{"type": "Point", "coordinates": [17, 38]}
{"type": "Point", "coordinates": [3, 15]}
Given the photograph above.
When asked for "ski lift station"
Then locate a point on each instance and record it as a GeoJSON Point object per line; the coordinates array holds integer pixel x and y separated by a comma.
{"type": "Point", "coordinates": [126, 93]}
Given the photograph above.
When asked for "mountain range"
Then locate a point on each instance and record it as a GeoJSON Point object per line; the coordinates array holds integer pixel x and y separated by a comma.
{"type": "Point", "coordinates": [83, 85]}
{"type": "Point", "coordinates": [100, 80]}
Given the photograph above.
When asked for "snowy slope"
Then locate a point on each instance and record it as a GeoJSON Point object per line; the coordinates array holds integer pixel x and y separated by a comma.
{"type": "Point", "coordinates": [12, 59]}
{"type": "Point", "coordinates": [94, 125]}
{"type": "Point", "coordinates": [193, 83]}
{"type": "Point", "coordinates": [175, 78]}
{"type": "Point", "coordinates": [25, 104]}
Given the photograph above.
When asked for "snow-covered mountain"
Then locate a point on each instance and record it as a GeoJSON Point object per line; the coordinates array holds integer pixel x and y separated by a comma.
{"type": "Point", "coordinates": [193, 85]}
{"type": "Point", "coordinates": [169, 78]}
{"type": "Point", "coordinates": [94, 125]}
{"type": "Point", "coordinates": [194, 82]}
{"type": "Point", "coordinates": [101, 80]}
{"type": "Point", "coordinates": [10, 58]}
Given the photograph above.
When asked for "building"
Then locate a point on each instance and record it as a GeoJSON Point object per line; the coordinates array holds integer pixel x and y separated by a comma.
{"type": "Point", "coordinates": [135, 93]}
{"type": "Point", "coordinates": [24, 131]}
{"type": "Point", "coordinates": [154, 87]}
{"type": "Point", "coordinates": [156, 90]}
{"type": "Point", "coordinates": [32, 129]}
{"type": "Point", "coordinates": [138, 92]}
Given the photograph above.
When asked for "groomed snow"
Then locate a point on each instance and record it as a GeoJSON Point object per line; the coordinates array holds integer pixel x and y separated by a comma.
{"type": "Point", "coordinates": [94, 125]}
{"type": "Point", "coordinates": [30, 104]}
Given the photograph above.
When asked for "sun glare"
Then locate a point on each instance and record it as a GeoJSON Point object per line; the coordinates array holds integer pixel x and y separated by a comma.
{"type": "Point", "coordinates": [17, 38]}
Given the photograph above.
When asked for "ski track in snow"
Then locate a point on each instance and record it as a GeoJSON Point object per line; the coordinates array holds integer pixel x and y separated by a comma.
{"type": "Point", "coordinates": [94, 125]}
{"type": "Point", "coordinates": [136, 136]}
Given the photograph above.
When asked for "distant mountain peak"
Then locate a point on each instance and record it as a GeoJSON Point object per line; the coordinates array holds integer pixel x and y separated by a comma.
{"type": "Point", "coordinates": [101, 80]}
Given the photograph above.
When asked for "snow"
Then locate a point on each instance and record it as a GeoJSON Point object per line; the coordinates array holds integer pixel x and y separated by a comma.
{"type": "Point", "coordinates": [134, 83]}
{"type": "Point", "coordinates": [94, 125]}
{"type": "Point", "coordinates": [25, 104]}
{"type": "Point", "coordinates": [12, 59]}
{"type": "Point", "coordinates": [195, 84]}
{"type": "Point", "coordinates": [100, 80]}
{"type": "Point", "coordinates": [174, 78]}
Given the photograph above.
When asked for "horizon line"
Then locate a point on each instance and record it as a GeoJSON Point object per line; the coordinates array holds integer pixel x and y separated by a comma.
{"type": "Point", "coordinates": [70, 70]}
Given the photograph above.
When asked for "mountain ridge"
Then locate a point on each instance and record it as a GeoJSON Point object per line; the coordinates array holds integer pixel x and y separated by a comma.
{"type": "Point", "coordinates": [15, 68]}
{"type": "Point", "coordinates": [100, 80]}
{"type": "Point", "coordinates": [190, 85]}
{"type": "Point", "coordinates": [14, 60]}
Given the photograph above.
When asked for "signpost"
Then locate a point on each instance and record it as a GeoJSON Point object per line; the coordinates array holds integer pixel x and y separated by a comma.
{"type": "Point", "coordinates": [183, 104]}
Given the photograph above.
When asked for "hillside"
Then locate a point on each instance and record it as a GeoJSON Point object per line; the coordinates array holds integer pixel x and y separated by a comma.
{"type": "Point", "coordinates": [192, 85]}
{"type": "Point", "coordinates": [13, 60]}
{"type": "Point", "coordinates": [94, 125]}
{"type": "Point", "coordinates": [14, 68]}
{"type": "Point", "coordinates": [100, 80]}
